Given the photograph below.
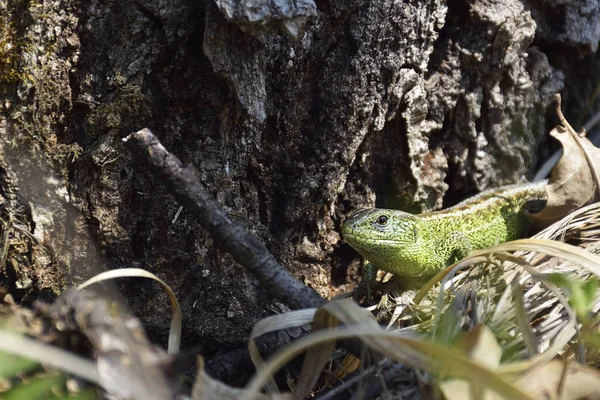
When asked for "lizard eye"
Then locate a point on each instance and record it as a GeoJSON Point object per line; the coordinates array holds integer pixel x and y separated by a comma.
{"type": "Point", "coordinates": [382, 220]}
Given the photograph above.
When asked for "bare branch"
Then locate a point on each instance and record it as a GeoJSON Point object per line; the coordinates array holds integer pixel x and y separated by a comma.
{"type": "Point", "coordinates": [185, 184]}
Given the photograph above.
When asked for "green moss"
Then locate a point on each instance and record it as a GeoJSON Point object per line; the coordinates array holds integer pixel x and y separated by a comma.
{"type": "Point", "coordinates": [10, 73]}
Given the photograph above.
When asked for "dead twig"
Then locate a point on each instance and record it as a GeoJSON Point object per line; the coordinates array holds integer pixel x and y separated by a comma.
{"type": "Point", "coordinates": [184, 183]}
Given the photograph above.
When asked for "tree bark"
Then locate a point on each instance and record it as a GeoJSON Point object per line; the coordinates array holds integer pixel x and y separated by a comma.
{"type": "Point", "coordinates": [294, 113]}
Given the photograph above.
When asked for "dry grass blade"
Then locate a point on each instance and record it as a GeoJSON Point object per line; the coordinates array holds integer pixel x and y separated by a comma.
{"type": "Point", "coordinates": [579, 223]}
{"type": "Point", "coordinates": [566, 327]}
{"type": "Point", "coordinates": [521, 316]}
{"type": "Point", "coordinates": [316, 357]}
{"type": "Point", "coordinates": [175, 329]}
{"type": "Point", "coordinates": [20, 345]}
{"type": "Point", "coordinates": [407, 349]}
{"type": "Point", "coordinates": [425, 355]}
{"type": "Point", "coordinates": [549, 297]}
{"type": "Point", "coordinates": [273, 323]}
{"type": "Point", "coordinates": [563, 251]}
{"type": "Point", "coordinates": [471, 260]}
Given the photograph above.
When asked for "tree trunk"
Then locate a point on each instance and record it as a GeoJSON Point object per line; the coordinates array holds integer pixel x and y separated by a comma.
{"type": "Point", "coordinates": [294, 115]}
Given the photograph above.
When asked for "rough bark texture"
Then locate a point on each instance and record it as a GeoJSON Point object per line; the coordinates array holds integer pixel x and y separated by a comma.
{"type": "Point", "coordinates": [294, 114]}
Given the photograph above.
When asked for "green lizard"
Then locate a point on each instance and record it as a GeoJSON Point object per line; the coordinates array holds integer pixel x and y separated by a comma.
{"type": "Point", "coordinates": [416, 247]}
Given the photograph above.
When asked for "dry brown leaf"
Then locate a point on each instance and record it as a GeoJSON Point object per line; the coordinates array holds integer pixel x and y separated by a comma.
{"type": "Point", "coordinates": [460, 389]}
{"type": "Point", "coordinates": [574, 180]}
{"type": "Point", "coordinates": [572, 183]}
{"type": "Point", "coordinates": [550, 381]}
{"type": "Point", "coordinates": [483, 348]}
{"type": "Point", "coordinates": [579, 382]}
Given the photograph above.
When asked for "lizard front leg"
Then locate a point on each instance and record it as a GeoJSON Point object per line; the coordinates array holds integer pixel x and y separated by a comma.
{"type": "Point", "coordinates": [453, 248]}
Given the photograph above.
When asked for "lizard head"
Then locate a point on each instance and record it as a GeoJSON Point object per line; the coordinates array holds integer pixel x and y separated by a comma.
{"type": "Point", "coordinates": [386, 238]}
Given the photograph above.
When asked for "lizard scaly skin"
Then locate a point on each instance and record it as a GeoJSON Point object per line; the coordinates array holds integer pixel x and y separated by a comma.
{"type": "Point", "coordinates": [419, 246]}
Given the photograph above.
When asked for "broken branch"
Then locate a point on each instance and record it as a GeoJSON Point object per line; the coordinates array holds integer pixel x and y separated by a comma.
{"type": "Point", "coordinates": [184, 183]}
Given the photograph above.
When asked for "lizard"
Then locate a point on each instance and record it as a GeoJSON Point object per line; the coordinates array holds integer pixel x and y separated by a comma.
{"type": "Point", "coordinates": [416, 247]}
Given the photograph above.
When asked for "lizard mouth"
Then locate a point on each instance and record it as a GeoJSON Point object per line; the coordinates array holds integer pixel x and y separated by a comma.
{"type": "Point", "coordinates": [352, 237]}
